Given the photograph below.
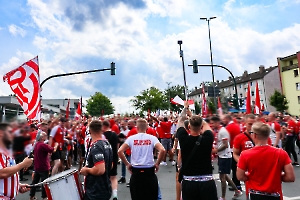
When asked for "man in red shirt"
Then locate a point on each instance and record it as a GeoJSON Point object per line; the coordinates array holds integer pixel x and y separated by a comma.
{"type": "Point", "coordinates": [57, 135]}
{"type": "Point", "coordinates": [264, 167]}
{"type": "Point", "coordinates": [290, 138]}
{"type": "Point", "coordinates": [243, 141]}
{"type": "Point", "coordinates": [166, 137]}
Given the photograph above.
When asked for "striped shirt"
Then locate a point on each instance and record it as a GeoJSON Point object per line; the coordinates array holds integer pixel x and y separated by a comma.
{"type": "Point", "coordinates": [9, 187]}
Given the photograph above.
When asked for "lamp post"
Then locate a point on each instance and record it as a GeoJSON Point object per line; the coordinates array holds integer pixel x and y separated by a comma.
{"type": "Point", "coordinates": [169, 95]}
{"type": "Point", "coordinates": [211, 58]}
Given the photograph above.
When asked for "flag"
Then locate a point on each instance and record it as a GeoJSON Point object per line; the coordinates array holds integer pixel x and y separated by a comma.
{"type": "Point", "coordinates": [257, 100]}
{"type": "Point", "coordinates": [204, 104]}
{"type": "Point", "coordinates": [220, 107]}
{"type": "Point", "coordinates": [78, 111]}
{"type": "Point", "coordinates": [191, 104]}
{"type": "Point", "coordinates": [177, 100]}
{"type": "Point", "coordinates": [68, 109]}
{"type": "Point", "coordinates": [248, 100]}
{"type": "Point", "coordinates": [24, 81]}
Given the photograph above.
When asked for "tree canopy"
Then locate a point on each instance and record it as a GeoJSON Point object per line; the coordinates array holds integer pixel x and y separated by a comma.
{"type": "Point", "coordinates": [99, 104]}
{"type": "Point", "coordinates": [279, 101]}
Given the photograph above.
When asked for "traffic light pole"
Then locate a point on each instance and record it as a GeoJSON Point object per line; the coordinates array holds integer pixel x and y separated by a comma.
{"type": "Point", "coordinates": [80, 72]}
{"type": "Point", "coordinates": [234, 82]}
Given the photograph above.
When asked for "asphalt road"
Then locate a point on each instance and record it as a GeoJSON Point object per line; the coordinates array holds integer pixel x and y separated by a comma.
{"type": "Point", "coordinates": [166, 177]}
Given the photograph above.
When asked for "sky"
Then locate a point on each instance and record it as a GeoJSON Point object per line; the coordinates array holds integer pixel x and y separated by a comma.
{"type": "Point", "coordinates": [141, 36]}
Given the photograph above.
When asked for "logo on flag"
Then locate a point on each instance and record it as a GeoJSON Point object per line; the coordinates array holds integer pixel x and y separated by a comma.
{"type": "Point", "coordinates": [24, 81]}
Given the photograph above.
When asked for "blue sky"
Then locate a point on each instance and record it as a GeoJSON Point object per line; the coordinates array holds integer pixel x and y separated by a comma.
{"type": "Point", "coordinates": [141, 36]}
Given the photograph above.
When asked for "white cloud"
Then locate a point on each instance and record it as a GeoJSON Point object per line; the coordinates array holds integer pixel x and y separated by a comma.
{"type": "Point", "coordinates": [16, 30]}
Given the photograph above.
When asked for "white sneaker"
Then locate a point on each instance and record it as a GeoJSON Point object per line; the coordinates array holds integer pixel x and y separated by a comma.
{"type": "Point", "coordinates": [173, 163]}
{"type": "Point", "coordinates": [163, 163]}
{"type": "Point", "coordinates": [237, 194]}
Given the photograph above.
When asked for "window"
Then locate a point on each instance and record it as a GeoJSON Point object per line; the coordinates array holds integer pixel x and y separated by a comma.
{"type": "Point", "coordinates": [251, 83]}
{"type": "Point", "coordinates": [240, 85]}
{"type": "Point", "coordinates": [296, 73]}
{"type": "Point", "coordinates": [252, 93]}
{"type": "Point", "coordinates": [297, 86]}
{"type": "Point", "coordinates": [298, 99]}
{"type": "Point", "coordinates": [232, 87]}
{"type": "Point", "coordinates": [291, 62]}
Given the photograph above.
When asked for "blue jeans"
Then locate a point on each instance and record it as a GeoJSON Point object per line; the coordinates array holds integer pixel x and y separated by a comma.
{"type": "Point", "coordinates": [159, 193]}
{"type": "Point", "coordinates": [124, 167]}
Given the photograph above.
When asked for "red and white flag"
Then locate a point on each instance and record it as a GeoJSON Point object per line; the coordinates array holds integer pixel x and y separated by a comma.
{"type": "Point", "coordinates": [257, 100]}
{"type": "Point", "coordinates": [24, 81]}
{"type": "Point", "coordinates": [78, 111]}
{"type": "Point", "coordinates": [179, 101]}
{"type": "Point", "coordinates": [204, 104]}
{"type": "Point", "coordinates": [248, 100]}
{"type": "Point", "coordinates": [220, 107]}
{"type": "Point", "coordinates": [68, 109]}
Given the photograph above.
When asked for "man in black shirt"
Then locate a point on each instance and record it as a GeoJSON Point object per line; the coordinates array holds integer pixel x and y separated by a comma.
{"type": "Point", "coordinates": [197, 180]}
{"type": "Point", "coordinates": [113, 139]}
{"type": "Point", "coordinates": [99, 163]}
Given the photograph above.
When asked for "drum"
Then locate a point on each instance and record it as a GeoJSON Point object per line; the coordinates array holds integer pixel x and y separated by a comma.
{"type": "Point", "coordinates": [64, 186]}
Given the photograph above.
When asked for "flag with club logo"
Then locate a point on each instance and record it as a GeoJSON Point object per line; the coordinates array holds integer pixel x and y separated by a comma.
{"type": "Point", "coordinates": [24, 82]}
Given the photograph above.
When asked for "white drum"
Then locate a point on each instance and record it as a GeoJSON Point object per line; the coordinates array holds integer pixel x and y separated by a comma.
{"type": "Point", "coordinates": [64, 186]}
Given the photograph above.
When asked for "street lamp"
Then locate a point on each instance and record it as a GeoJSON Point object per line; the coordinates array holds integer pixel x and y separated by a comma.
{"type": "Point", "coordinates": [169, 95]}
{"type": "Point", "coordinates": [211, 59]}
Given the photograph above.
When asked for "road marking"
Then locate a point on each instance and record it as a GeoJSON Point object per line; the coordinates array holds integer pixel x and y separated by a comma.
{"type": "Point", "coordinates": [291, 198]}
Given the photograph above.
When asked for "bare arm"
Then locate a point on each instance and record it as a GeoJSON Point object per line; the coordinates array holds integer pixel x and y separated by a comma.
{"type": "Point", "coordinates": [236, 154]}
{"type": "Point", "coordinates": [278, 137]}
{"type": "Point", "coordinates": [205, 127]}
{"type": "Point", "coordinates": [241, 175]}
{"type": "Point", "coordinates": [289, 174]}
{"type": "Point", "coordinates": [161, 154]}
{"type": "Point", "coordinates": [121, 155]}
{"type": "Point", "coordinates": [10, 171]}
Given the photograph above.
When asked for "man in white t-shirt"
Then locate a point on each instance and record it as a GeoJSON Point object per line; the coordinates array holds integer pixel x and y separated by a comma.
{"type": "Point", "coordinates": [224, 157]}
{"type": "Point", "coordinates": [143, 181]}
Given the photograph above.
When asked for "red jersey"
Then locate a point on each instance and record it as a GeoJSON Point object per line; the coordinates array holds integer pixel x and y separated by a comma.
{"type": "Point", "coordinates": [33, 135]}
{"type": "Point", "coordinates": [166, 129]}
{"type": "Point", "coordinates": [151, 131]}
{"type": "Point", "coordinates": [268, 177]}
{"type": "Point", "coordinates": [115, 129]}
{"type": "Point", "coordinates": [9, 187]}
{"type": "Point", "coordinates": [275, 127]}
{"type": "Point", "coordinates": [242, 142]}
{"type": "Point", "coordinates": [133, 131]}
{"type": "Point", "coordinates": [159, 130]}
{"type": "Point", "coordinates": [57, 133]}
{"type": "Point", "coordinates": [293, 128]}
{"type": "Point", "coordinates": [233, 130]}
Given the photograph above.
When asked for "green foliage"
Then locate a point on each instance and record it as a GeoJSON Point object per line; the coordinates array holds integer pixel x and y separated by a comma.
{"type": "Point", "coordinates": [97, 103]}
{"type": "Point", "coordinates": [279, 101]}
{"type": "Point", "coordinates": [211, 106]}
{"type": "Point", "coordinates": [197, 108]}
{"type": "Point", "coordinates": [151, 98]}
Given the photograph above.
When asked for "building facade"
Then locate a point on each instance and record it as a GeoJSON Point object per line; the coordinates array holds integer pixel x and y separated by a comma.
{"type": "Point", "coordinates": [267, 78]}
{"type": "Point", "coordinates": [288, 69]}
{"type": "Point", "coordinates": [10, 108]}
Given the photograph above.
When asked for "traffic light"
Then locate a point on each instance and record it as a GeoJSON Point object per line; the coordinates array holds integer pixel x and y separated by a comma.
{"type": "Point", "coordinates": [195, 66]}
{"type": "Point", "coordinates": [236, 102]}
{"type": "Point", "coordinates": [112, 69]}
{"type": "Point", "coordinates": [210, 91]}
{"type": "Point", "coordinates": [241, 102]}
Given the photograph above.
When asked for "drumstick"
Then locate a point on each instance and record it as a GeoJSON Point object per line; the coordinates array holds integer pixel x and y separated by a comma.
{"type": "Point", "coordinates": [87, 152]}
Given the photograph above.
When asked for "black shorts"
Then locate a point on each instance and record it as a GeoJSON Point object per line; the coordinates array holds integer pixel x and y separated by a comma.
{"type": "Point", "coordinates": [224, 165]}
{"type": "Point", "coordinates": [56, 155]}
{"type": "Point", "coordinates": [206, 190]}
{"type": "Point", "coordinates": [113, 171]}
{"type": "Point", "coordinates": [82, 147]}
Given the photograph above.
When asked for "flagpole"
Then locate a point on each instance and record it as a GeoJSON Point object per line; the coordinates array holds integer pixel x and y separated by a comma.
{"type": "Point", "coordinates": [81, 106]}
{"type": "Point", "coordinates": [183, 68]}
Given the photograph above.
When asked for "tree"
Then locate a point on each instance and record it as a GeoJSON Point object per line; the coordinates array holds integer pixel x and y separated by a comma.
{"type": "Point", "coordinates": [98, 103]}
{"type": "Point", "coordinates": [197, 108]}
{"type": "Point", "coordinates": [211, 106]}
{"type": "Point", "coordinates": [279, 101]}
{"type": "Point", "coordinates": [150, 99]}
{"type": "Point", "coordinates": [171, 93]}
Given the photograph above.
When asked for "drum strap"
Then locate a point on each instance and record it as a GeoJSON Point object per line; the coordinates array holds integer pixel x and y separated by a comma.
{"type": "Point", "coordinates": [87, 151]}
